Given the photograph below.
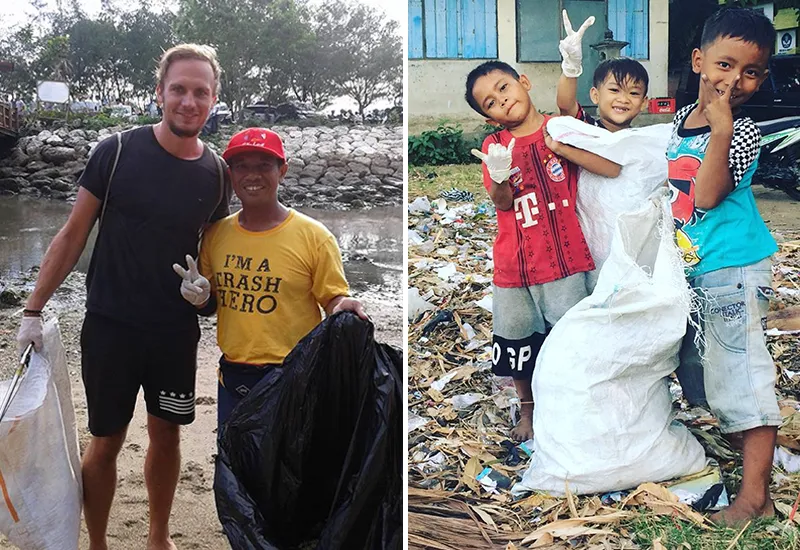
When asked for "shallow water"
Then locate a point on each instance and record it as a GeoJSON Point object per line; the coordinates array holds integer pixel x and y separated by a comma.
{"type": "Point", "coordinates": [371, 240]}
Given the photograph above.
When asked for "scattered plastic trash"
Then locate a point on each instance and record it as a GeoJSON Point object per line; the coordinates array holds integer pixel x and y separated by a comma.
{"type": "Point", "coordinates": [466, 400]}
{"type": "Point", "coordinates": [416, 304]}
{"type": "Point", "coordinates": [492, 480]}
{"type": "Point", "coordinates": [414, 237]}
{"type": "Point", "coordinates": [446, 272]}
{"type": "Point", "coordinates": [786, 460]}
{"type": "Point", "coordinates": [416, 422]}
{"type": "Point", "coordinates": [481, 430]}
{"type": "Point", "coordinates": [443, 317]}
{"type": "Point", "coordinates": [421, 204]}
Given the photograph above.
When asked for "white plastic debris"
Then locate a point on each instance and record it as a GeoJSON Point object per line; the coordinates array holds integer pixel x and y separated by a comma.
{"type": "Point", "coordinates": [786, 460]}
{"type": "Point", "coordinates": [467, 332]}
{"type": "Point", "coordinates": [420, 204]}
{"type": "Point", "coordinates": [442, 382]}
{"type": "Point", "coordinates": [417, 304]}
{"type": "Point", "coordinates": [465, 400]}
{"type": "Point", "coordinates": [485, 303]}
{"type": "Point", "coordinates": [414, 238]}
{"type": "Point", "coordinates": [446, 272]}
{"type": "Point", "coordinates": [416, 422]}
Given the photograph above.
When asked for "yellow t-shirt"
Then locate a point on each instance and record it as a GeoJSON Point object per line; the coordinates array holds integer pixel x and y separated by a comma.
{"type": "Point", "coordinates": [270, 284]}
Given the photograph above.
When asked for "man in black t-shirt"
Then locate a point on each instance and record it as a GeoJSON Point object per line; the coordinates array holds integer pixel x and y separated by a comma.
{"type": "Point", "coordinates": [154, 189]}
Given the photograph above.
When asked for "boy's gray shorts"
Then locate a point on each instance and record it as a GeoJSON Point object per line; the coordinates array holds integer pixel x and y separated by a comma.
{"type": "Point", "coordinates": [523, 316]}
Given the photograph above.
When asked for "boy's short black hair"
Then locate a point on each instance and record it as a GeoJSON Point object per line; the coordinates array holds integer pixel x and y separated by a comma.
{"type": "Point", "coordinates": [622, 69]}
{"type": "Point", "coordinates": [745, 24]}
{"type": "Point", "coordinates": [482, 70]}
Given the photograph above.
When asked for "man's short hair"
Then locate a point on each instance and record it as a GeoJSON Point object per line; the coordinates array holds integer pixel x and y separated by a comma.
{"type": "Point", "coordinates": [745, 24]}
{"type": "Point", "coordinates": [182, 52]}
{"type": "Point", "coordinates": [622, 69]}
{"type": "Point", "coordinates": [482, 70]}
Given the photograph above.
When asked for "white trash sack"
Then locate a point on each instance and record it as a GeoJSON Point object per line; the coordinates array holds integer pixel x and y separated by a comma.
{"type": "Point", "coordinates": [603, 411]}
{"type": "Point", "coordinates": [40, 505]}
{"type": "Point", "coordinates": [642, 154]}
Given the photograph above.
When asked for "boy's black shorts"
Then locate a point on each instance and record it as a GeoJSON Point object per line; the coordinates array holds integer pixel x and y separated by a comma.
{"type": "Point", "coordinates": [516, 358]}
{"type": "Point", "coordinates": [118, 359]}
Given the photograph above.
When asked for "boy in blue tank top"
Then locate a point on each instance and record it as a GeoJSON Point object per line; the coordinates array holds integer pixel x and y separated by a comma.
{"type": "Point", "coordinates": [726, 246]}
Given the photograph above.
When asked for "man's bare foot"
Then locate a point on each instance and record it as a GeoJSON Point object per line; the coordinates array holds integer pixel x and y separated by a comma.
{"type": "Point", "coordinates": [161, 545]}
{"type": "Point", "coordinates": [523, 431]}
{"type": "Point", "coordinates": [742, 511]}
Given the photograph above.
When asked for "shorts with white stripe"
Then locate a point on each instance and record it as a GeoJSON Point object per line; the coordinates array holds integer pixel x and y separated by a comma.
{"type": "Point", "coordinates": [118, 359]}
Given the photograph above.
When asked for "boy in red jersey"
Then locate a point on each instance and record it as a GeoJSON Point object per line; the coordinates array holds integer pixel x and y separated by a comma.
{"type": "Point", "coordinates": [540, 255]}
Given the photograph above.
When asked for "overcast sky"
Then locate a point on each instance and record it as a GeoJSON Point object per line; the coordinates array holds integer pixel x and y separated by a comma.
{"type": "Point", "coordinates": [16, 11]}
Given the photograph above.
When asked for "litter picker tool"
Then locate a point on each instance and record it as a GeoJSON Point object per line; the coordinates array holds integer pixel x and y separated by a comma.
{"type": "Point", "coordinates": [16, 378]}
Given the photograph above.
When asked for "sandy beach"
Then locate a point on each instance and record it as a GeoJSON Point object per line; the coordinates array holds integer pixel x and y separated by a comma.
{"type": "Point", "coordinates": [194, 521]}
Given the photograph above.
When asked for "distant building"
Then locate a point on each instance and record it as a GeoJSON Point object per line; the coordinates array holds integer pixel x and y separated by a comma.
{"type": "Point", "coordinates": [447, 38]}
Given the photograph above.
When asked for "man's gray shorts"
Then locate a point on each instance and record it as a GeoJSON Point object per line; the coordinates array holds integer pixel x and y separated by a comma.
{"type": "Point", "coordinates": [523, 316]}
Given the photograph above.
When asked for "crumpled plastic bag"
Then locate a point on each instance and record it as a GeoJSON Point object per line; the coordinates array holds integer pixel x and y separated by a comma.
{"type": "Point", "coordinates": [642, 154]}
{"type": "Point", "coordinates": [315, 450]}
{"type": "Point", "coordinates": [40, 466]}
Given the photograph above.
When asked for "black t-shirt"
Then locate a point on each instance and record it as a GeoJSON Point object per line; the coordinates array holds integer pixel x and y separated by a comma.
{"type": "Point", "coordinates": [157, 205]}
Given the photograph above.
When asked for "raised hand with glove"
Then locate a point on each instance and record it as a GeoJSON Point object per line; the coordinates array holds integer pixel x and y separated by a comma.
{"type": "Point", "coordinates": [571, 48]}
{"type": "Point", "coordinates": [195, 288]}
{"type": "Point", "coordinates": [498, 160]}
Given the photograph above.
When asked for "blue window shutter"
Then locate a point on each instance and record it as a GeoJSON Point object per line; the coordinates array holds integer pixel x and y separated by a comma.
{"type": "Point", "coordinates": [452, 34]}
{"type": "Point", "coordinates": [456, 28]}
{"type": "Point", "coordinates": [415, 29]}
{"type": "Point", "coordinates": [629, 20]}
{"type": "Point", "coordinates": [471, 42]}
{"type": "Point", "coordinates": [490, 24]}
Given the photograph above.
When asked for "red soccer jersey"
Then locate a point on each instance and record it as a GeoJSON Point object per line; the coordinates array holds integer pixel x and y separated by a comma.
{"type": "Point", "coordinates": [540, 239]}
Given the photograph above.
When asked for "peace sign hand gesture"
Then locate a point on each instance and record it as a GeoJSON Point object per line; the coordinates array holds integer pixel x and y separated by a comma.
{"type": "Point", "coordinates": [195, 288]}
{"type": "Point", "coordinates": [570, 47]}
{"type": "Point", "coordinates": [497, 160]}
{"type": "Point", "coordinates": [717, 107]}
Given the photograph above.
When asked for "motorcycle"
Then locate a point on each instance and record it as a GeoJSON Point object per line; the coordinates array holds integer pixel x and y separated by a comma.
{"type": "Point", "coordinates": [778, 166]}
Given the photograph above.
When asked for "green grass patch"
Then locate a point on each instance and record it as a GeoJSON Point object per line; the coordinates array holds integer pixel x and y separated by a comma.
{"type": "Point", "coordinates": [430, 180]}
{"type": "Point", "coordinates": [762, 534]}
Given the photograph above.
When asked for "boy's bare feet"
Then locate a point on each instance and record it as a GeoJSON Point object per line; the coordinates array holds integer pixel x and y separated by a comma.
{"type": "Point", "coordinates": [742, 511]}
{"type": "Point", "coordinates": [523, 431]}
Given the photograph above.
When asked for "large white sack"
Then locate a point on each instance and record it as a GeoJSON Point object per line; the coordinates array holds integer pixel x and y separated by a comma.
{"type": "Point", "coordinates": [603, 415]}
{"type": "Point", "coordinates": [40, 508]}
{"type": "Point", "coordinates": [642, 154]}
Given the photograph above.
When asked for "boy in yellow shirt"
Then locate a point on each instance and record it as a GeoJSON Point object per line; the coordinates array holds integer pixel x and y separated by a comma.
{"type": "Point", "coordinates": [265, 270]}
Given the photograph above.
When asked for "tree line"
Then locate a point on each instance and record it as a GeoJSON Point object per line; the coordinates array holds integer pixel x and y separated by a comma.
{"type": "Point", "coordinates": [269, 50]}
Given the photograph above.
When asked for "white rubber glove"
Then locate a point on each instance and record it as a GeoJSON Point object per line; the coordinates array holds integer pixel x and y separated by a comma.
{"type": "Point", "coordinates": [497, 160]}
{"type": "Point", "coordinates": [30, 330]}
{"type": "Point", "coordinates": [570, 47]}
{"type": "Point", "coordinates": [195, 288]}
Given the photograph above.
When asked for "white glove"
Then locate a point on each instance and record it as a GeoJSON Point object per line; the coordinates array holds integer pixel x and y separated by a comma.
{"type": "Point", "coordinates": [195, 288]}
{"type": "Point", "coordinates": [497, 160]}
{"type": "Point", "coordinates": [570, 47]}
{"type": "Point", "coordinates": [30, 330]}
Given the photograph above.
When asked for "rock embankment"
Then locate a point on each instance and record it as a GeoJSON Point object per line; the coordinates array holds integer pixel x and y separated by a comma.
{"type": "Point", "coordinates": [355, 166]}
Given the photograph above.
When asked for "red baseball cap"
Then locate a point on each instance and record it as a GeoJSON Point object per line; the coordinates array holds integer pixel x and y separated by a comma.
{"type": "Point", "coordinates": [259, 140]}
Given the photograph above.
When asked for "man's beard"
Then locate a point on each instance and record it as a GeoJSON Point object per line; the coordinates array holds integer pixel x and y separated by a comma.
{"type": "Point", "coordinates": [180, 132]}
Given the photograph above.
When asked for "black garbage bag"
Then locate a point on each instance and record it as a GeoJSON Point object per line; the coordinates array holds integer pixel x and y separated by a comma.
{"type": "Point", "coordinates": [314, 452]}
